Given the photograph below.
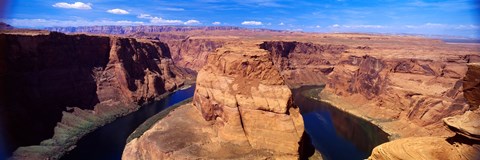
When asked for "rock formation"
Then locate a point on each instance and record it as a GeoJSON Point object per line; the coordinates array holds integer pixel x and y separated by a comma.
{"type": "Point", "coordinates": [192, 53]}
{"type": "Point", "coordinates": [304, 63]}
{"type": "Point", "coordinates": [464, 145]}
{"type": "Point", "coordinates": [43, 74]}
{"type": "Point", "coordinates": [471, 85]}
{"type": "Point", "coordinates": [241, 106]}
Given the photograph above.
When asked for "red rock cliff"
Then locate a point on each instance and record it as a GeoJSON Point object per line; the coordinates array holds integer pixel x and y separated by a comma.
{"type": "Point", "coordinates": [409, 82]}
{"type": "Point", "coordinates": [41, 75]}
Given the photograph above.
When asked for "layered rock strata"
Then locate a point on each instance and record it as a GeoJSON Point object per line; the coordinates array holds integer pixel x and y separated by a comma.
{"type": "Point", "coordinates": [192, 53]}
{"type": "Point", "coordinates": [304, 63]}
{"type": "Point", "coordinates": [464, 145]}
{"type": "Point", "coordinates": [241, 106]}
{"type": "Point", "coordinates": [43, 74]}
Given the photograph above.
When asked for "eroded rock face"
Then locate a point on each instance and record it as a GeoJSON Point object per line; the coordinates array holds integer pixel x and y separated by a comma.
{"type": "Point", "coordinates": [41, 75]}
{"type": "Point", "coordinates": [467, 125]}
{"type": "Point", "coordinates": [464, 145]}
{"type": "Point", "coordinates": [241, 109]}
{"type": "Point", "coordinates": [419, 90]}
{"type": "Point", "coordinates": [416, 91]}
{"type": "Point", "coordinates": [304, 63]}
{"type": "Point", "coordinates": [192, 53]}
{"type": "Point", "coordinates": [471, 85]}
{"type": "Point", "coordinates": [425, 148]}
{"type": "Point", "coordinates": [243, 93]}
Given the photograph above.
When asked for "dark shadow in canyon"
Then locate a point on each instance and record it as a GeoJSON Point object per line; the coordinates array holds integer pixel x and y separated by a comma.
{"type": "Point", "coordinates": [335, 133]}
{"type": "Point", "coordinates": [40, 77]}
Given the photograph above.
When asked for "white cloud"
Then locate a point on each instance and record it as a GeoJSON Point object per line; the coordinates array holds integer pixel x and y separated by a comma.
{"type": "Point", "coordinates": [252, 23]}
{"type": "Point", "coordinates": [144, 16]}
{"type": "Point", "coordinates": [117, 11]}
{"type": "Point", "coordinates": [216, 23]}
{"type": "Point", "coordinates": [174, 9]}
{"type": "Point", "coordinates": [161, 21]}
{"type": "Point", "coordinates": [281, 24]}
{"type": "Point", "coordinates": [192, 22]}
{"type": "Point", "coordinates": [317, 26]}
{"type": "Point", "coordinates": [66, 23]}
{"type": "Point", "coordinates": [76, 5]}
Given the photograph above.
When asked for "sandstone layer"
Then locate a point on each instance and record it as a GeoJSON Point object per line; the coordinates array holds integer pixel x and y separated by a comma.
{"type": "Point", "coordinates": [464, 145]}
{"type": "Point", "coordinates": [243, 107]}
{"type": "Point", "coordinates": [43, 74]}
{"type": "Point", "coordinates": [424, 148]}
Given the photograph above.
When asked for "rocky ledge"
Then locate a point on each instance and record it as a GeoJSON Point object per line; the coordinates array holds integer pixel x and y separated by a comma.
{"type": "Point", "coordinates": [465, 144]}
{"type": "Point", "coordinates": [242, 108]}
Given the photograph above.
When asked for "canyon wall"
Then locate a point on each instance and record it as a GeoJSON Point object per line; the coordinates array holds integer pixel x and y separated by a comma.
{"type": "Point", "coordinates": [241, 108]}
{"type": "Point", "coordinates": [304, 63]}
{"type": "Point", "coordinates": [192, 53]}
{"type": "Point", "coordinates": [463, 145]}
{"type": "Point", "coordinates": [43, 74]}
{"type": "Point", "coordinates": [416, 91]}
{"type": "Point", "coordinates": [382, 86]}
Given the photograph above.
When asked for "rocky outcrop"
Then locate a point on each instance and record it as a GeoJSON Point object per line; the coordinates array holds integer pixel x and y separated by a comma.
{"type": "Point", "coordinates": [425, 148]}
{"type": "Point", "coordinates": [242, 102]}
{"type": "Point", "coordinates": [467, 125]}
{"type": "Point", "coordinates": [464, 145]}
{"type": "Point", "coordinates": [471, 85]}
{"type": "Point", "coordinates": [41, 75]}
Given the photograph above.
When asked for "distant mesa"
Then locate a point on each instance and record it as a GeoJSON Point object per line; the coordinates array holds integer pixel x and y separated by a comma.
{"type": "Point", "coordinates": [5, 26]}
{"type": "Point", "coordinates": [146, 29]}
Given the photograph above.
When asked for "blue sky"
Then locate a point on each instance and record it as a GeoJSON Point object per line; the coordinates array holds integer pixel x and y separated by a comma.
{"type": "Point", "coordinates": [449, 17]}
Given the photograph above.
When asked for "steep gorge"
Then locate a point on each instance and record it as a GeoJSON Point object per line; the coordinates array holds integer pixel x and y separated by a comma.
{"type": "Point", "coordinates": [418, 91]}
{"type": "Point", "coordinates": [42, 75]}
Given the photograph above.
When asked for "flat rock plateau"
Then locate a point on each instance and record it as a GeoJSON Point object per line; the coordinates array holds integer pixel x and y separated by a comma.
{"type": "Point", "coordinates": [423, 92]}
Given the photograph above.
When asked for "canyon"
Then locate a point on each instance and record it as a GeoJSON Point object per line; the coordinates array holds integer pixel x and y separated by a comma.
{"type": "Point", "coordinates": [421, 92]}
{"type": "Point", "coordinates": [61, 86]}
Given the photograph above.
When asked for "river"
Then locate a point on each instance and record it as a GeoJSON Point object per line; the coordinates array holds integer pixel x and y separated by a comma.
{"type": "Point", "coordinates": [335, 133]}
{"type": "Point", "coordinates": [108, 142]}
